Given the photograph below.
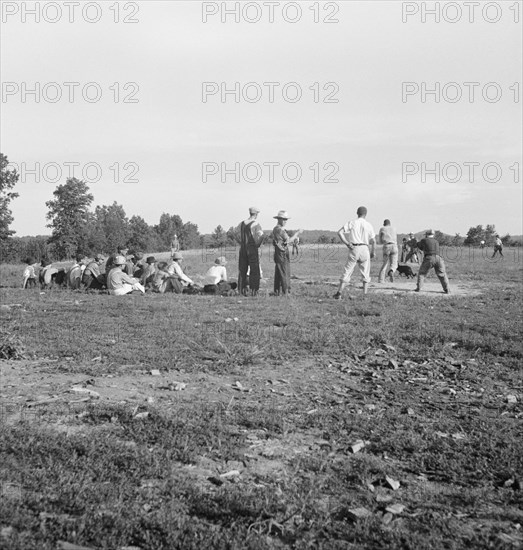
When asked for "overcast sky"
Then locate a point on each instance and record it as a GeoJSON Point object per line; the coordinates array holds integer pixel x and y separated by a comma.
{"type": "Point", "coordinates": [367, 136]}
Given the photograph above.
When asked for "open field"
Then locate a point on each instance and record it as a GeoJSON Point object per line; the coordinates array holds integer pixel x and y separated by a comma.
{"type": "Point", "coordinates": [387, 421]}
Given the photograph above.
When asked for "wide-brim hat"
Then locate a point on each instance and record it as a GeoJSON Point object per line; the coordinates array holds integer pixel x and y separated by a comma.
{"type": "Point", "coordinates": [283, 215]}
{"type": "Point", "coordinates": [429, 232]}
{"type": "Point", "coordinates": [177, 256]}
{"type": "Point", "coordinates": [120, 260]}
{"type": "Point", "coordinates": [150, 259]}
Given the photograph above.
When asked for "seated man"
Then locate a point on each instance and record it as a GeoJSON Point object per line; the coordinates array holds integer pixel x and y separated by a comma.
{"type": "Point", "coordinates": [215, 280]}
{"type": "Point", "coordinates": [139, 264]}
{"type": "Point", "coordinates": [29, 277]}
{"type": "Point", "coordinates": [122, 251]}
{"type": "Point", "coordinates": [46, 278]}
{"type": "Point", "coordinates": [92, 277]}
{"type": "Point", "coordinates": [163, 281]}
{"type": "Point", "coordinates": [118, 282]}
{"type": "Point", "coordinates": [74, 274]}
{"type": "Point", "coordinates": [148, 272]}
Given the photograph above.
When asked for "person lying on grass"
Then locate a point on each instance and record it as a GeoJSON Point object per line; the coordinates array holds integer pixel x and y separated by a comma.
{"type": "Point", "coordinates": [118, 282]}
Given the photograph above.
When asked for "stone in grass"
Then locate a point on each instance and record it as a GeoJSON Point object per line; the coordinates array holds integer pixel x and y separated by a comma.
{"type": "Point", "coordinates": [215, 480]}
{"type": "Point", "coordinates": [387, 518]}
{"type": "Point", "coordinates": [155, 372]}
{"type": "Point", "coordinates": [359, 513]}
{"type": "Point", "coordinates": [392, 483]}
{"type": "Point", "coordinates": [6, 532]}
{"type": "Point", "coordinates": [230, 474]}
{"type": "Point", "coordinates": [142, 415]}
{"type": "Point", "coordinates": [395, 509]}
{"type": "Point", "coordinates": [512, 399]}
{"type": "Point", "coordinates": [357, 446]}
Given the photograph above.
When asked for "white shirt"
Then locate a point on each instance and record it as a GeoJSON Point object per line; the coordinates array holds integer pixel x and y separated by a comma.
{"type": "Point", "coordinates": [360, 231]}
{"type": "Point", "coordinates": [176, 269]}
{"type": "Point", "coordinates": [215, 274]}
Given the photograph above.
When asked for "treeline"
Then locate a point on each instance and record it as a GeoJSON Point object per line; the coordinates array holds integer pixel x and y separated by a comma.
{"type": "Point", "coordinates": [76, 229]}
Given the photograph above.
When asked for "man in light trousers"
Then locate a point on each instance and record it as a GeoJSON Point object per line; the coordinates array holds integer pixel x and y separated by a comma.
{"type": "Point", "coordinates": [361, 237]}
{"type": "Point", "coordinates": [387, 237]}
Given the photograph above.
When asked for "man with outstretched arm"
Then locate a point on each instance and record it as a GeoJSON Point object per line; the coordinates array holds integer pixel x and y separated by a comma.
{"type": "Point", "coordinates": [360, 238]}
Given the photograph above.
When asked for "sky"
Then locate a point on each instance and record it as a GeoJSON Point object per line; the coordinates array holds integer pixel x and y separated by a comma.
{"type": "Point", "coordinates": [146, 124]}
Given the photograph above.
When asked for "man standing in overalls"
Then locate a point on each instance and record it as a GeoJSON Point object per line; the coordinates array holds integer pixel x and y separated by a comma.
{"type": "Point", "coordinates": [251, 237]}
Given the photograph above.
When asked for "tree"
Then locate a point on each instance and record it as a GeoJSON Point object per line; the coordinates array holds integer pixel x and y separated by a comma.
{"type": "Point", "coordinates": [70, 218]}
{"type": "Point", "coordinates": [490, 234]}
{"type": "Point", "coordinates": [232, 236]}
{"type": "Point", "coordinates": [8, 179]}
{"type": "Point", "coordinates": [219, 237]}
{"type": "Point", "coordinates": [114, 224]}
{"type": "Point", "coordinates": [189, 236]}
{"type": "Point", "coordinates": [169, 226]}
{"type": "Point", "coordinates": [457, 240]}
{"type": "Point", "coordinates": [474, 236]}
{"type": "Point", "coordinates": [142, 236]}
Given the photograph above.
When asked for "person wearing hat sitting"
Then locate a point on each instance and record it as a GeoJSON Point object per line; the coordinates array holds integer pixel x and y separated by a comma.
{"type": "Point", "coordinates": [250, 235]}
{"type": "Point", "coordinates": [122, 250]}
{"type": "Point", "coordinates": [175, 269]}
{"type": "Point", "coordinates": [139, 265]}
{"type": "Point", "coordinates": [282, 261]}
{"type": "Point", "coordinates": [163, 281]}
{"type": "Point", "coordinates": [92, 278]}
{"type": "Point", "coordinates": [215, 280]}
{"type": "Point", "coordinates": [29, 276]}
{"type": "Point", "coordinates": [148, 273]}
{"type": "Point", "coordinates": [118, 282]}
{"type": "Point", "coordinates": [430, 246]}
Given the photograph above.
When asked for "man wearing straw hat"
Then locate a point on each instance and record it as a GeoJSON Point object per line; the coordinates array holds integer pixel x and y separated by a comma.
{"type": "Point", "coordinates": [282, 261]}
{"type": "Point", "coordinates": [118, 282]}
{"type": "Point", "coordinates": [251, 237]}
{"type": "Point", "coordinates": [361, 236]}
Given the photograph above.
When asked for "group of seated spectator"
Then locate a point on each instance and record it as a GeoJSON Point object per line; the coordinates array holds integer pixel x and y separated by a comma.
{"type": "Point", "coordinates": [126, 273]}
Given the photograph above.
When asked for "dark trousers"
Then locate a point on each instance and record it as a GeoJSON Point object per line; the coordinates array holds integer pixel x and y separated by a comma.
{"type": "Point", "coordinates": [249, 258]}
{"type": "Point", "coordinates": [90, 282]}
{"type": "Point", "coordinates": [220, 288]}
{"type": "Point", "coordinates": [438, 264]}
{"type": "Point", "coordinates": [282, 272]}
{"type": "Point", "coordinates": [497, 249]}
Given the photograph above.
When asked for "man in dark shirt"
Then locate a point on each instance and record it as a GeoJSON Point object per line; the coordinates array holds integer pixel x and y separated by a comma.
{"type": "Point", "coordinates": [250, 235]}
{"type": "Point", "coordinates": [430, 247]}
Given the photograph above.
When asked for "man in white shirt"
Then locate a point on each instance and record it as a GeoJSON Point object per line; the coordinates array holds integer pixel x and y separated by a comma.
{"type": "Point", "coordinates": [175, 268]}
{"type": "Point", "coordinates": [498, 247]}
{"type": "Point", "coordinates": [215, 280]}
{"type": "Point", "coordinates": [361, 236]}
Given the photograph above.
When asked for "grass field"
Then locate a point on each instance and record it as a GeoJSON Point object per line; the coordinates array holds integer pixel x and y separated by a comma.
{"type": "Point", "coordinates": [387, 421]}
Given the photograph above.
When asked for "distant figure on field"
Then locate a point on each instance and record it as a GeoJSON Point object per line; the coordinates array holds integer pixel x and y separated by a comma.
{"type": "Point", "coordinates": [412, 254]}
{"type": "Point", "coordinates": [118, 282]}
{"type": "Point", "coordinates": [251, 237]}
{"type": "Point", "coordinates": [215, 280]}
{"type": "Point", "coordinates": [430, 246]}
{"type": "Point", "coordinates": [361, 236]}
{"type": "Point", "coordinates": [282, 261]}
{"type": "Point", "coordinates": [498, 247]}
{"type": "Point", "coordinates": [482, 244]}
{"type": "Point", "coordinates": [92, 277]}
{"type": "Point", "coordinates": [387, 237]}
{"type": "Point", "coordinates": [175, 245]}
{"type": "Point", "coordinates": [29, 276]}
{"type": "Point", "coordinates": [296, 247]}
